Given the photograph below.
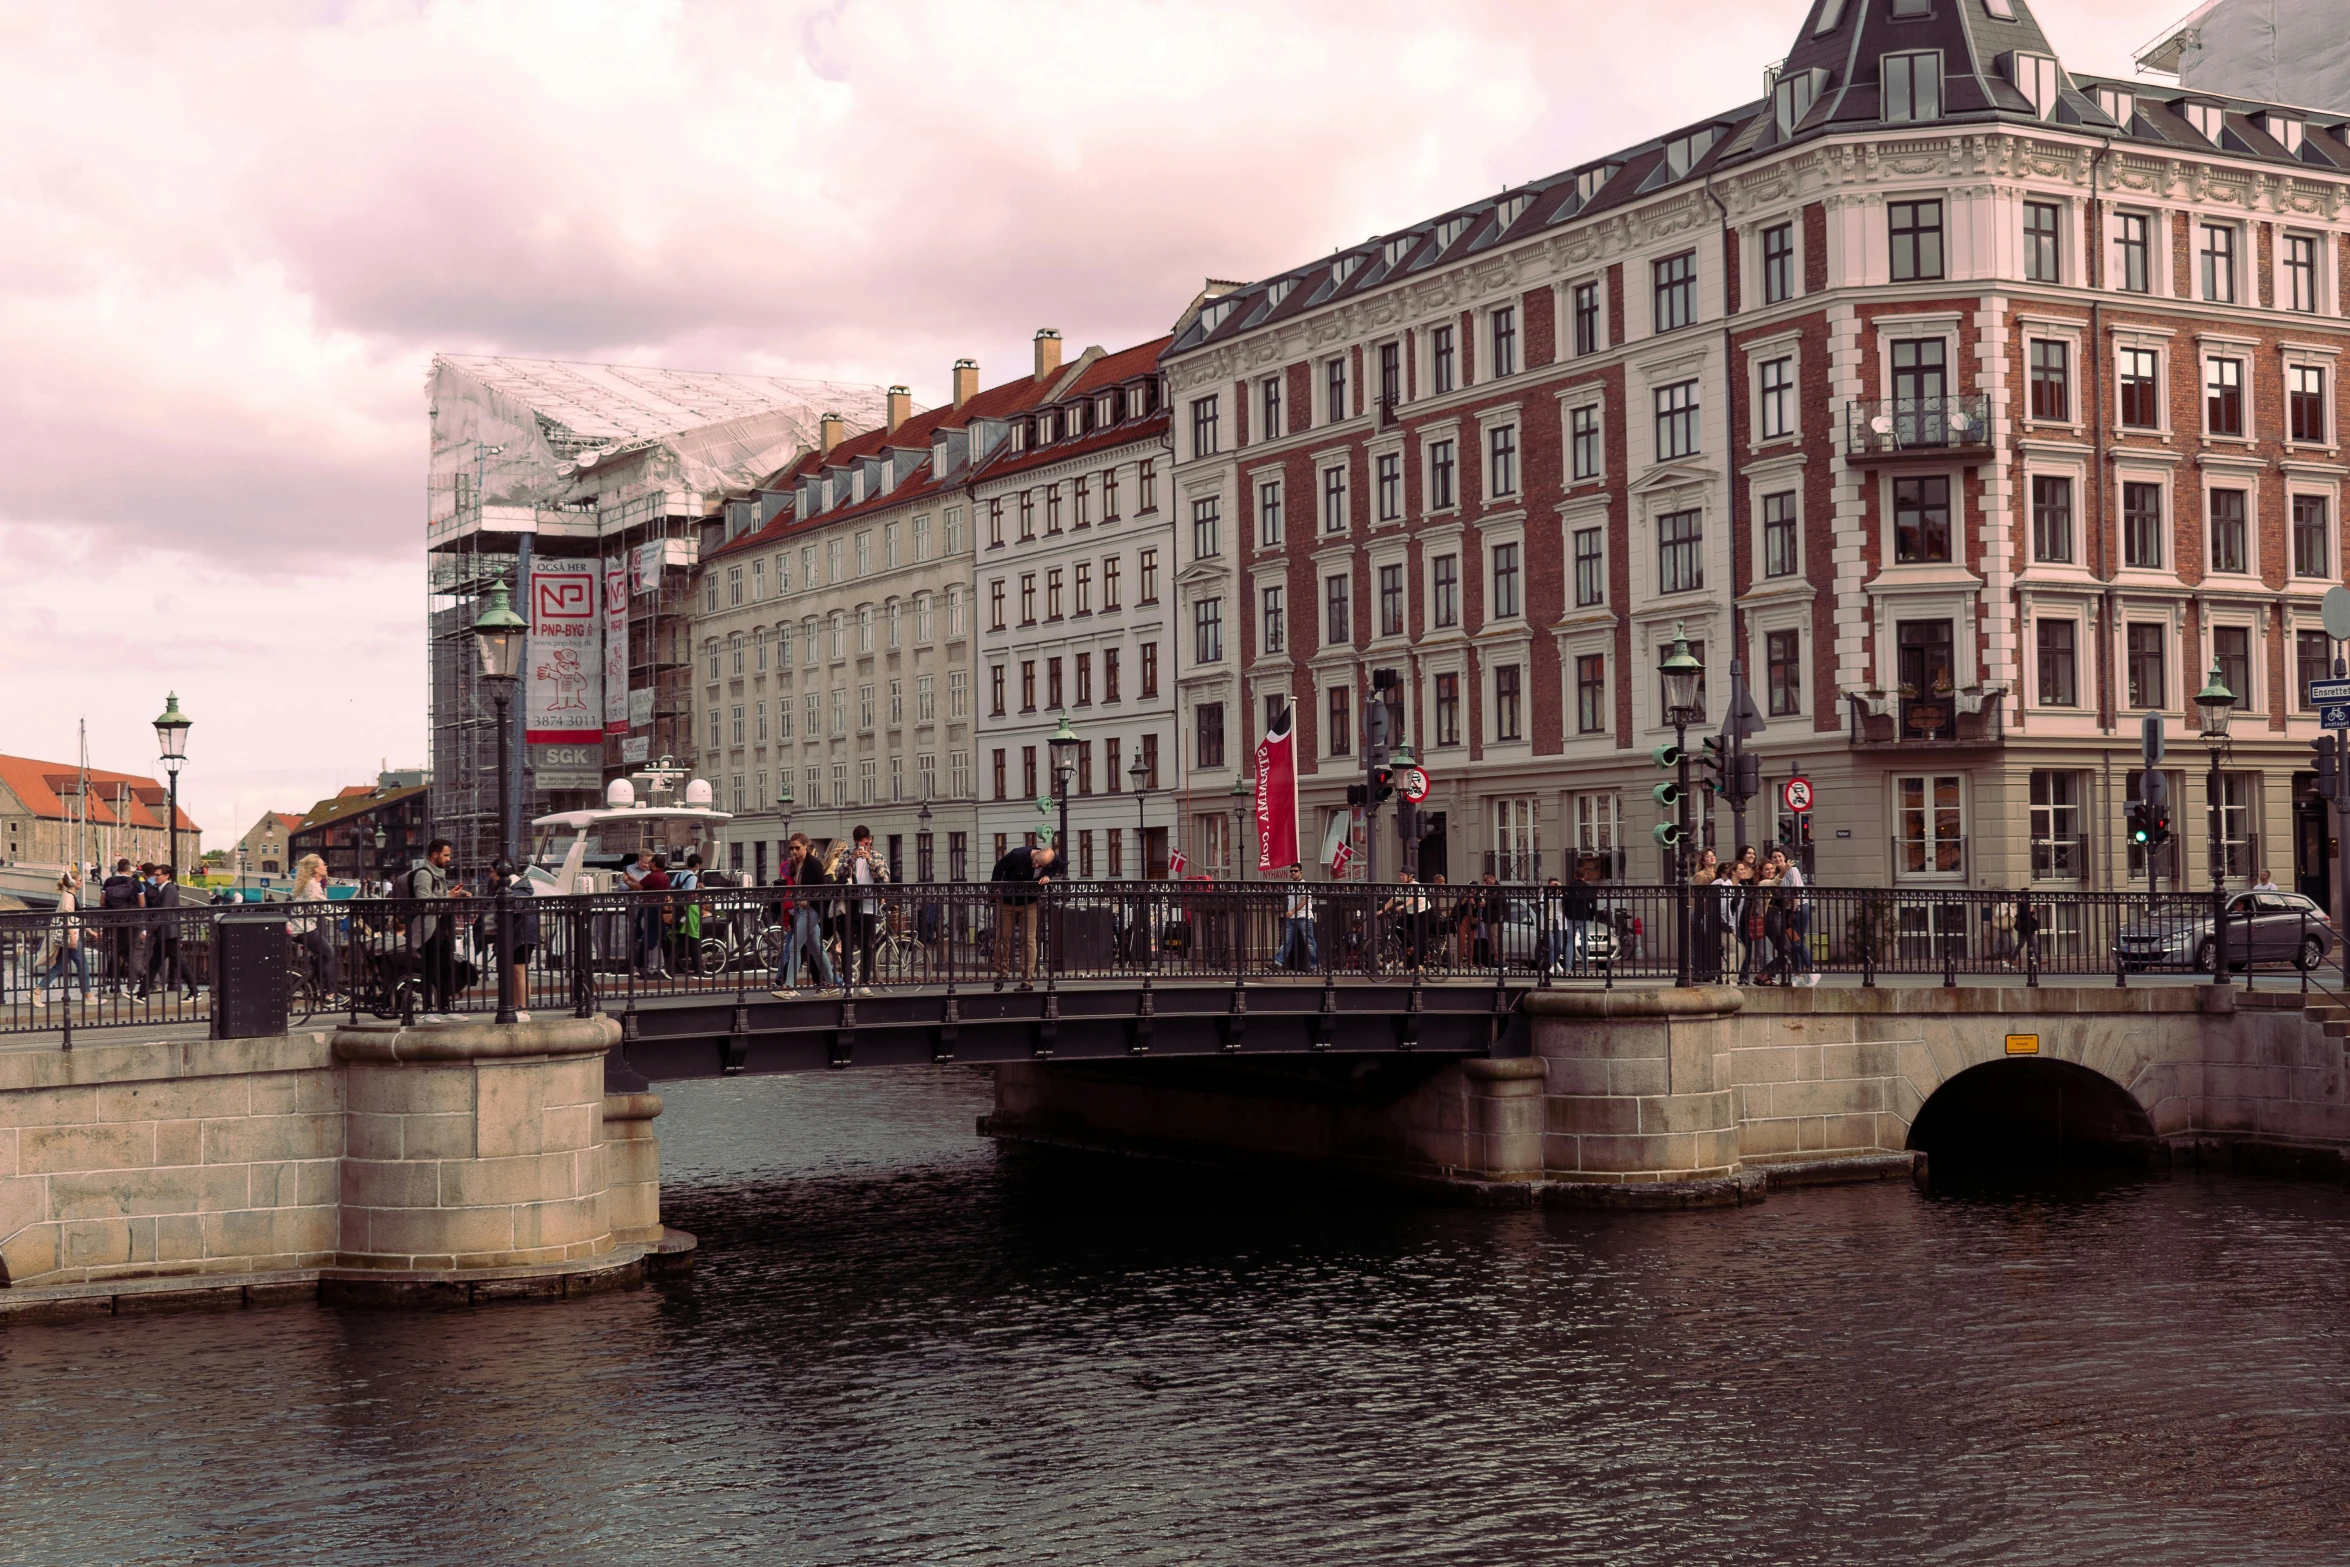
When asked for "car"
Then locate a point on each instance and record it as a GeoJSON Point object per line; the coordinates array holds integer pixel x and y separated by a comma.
{"type": "Point", "coordinates": [2262, 927]}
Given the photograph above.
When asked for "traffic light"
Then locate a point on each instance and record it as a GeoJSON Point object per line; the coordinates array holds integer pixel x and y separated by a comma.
{"type": "Point", "coordinates": [2141, 820]}
{"type": "Point", "coordinates": [1667, 755]}
{"type": "Point", "coordinates": [1382, 785]}
{"type": "Point", "coordinates": [1716, 766]}
{"type": "Point", "coordinates": [1358, 794]}
{"type": "Point", "coordinates": [1749, 777]}
{"type": "Point", "coordinates": [2158, 824]}
{"type": "Point", "coordinates": [2329, 769]}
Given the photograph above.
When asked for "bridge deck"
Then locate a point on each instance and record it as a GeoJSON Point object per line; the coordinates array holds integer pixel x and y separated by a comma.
{"type": "Point", "coordinates": [1102, 1020]}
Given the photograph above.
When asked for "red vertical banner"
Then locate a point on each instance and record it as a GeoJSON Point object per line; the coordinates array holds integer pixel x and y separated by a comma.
{"type": "Point", "coordinates": [1277, 797]}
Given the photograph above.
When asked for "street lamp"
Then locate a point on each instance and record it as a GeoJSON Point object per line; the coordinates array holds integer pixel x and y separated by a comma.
{"type": "Point", "coordinates": [922, 844]}
{"type": "Point", "coordinates": [1063, 745]}
{"type": "Point", "coordinates": [1139, 775]}
{"type": "Point", "coordinates": [171, 739]}
{"type": "Point", "coordinates": [2215, 706]}
{"type": "Point", "coordinates": [500, 634]}
{"type": "Point", "coordinates": [1681, 670]}
{"type": "Point", "coordinates": [1242, 788]}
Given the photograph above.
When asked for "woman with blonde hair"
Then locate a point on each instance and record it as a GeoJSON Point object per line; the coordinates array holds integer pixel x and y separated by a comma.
{"type": "Point", "coordinates": [310, 887]}
{"type": "Point", "coordinates": [69, 940]}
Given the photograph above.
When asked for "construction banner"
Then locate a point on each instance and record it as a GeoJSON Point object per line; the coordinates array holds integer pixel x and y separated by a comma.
{"type": "Point", "coordinates": [564, 699]}
{"type": "Point", "coordinates": [616, 646]}
{"type": "Point", "coordinates": [1277, 796]}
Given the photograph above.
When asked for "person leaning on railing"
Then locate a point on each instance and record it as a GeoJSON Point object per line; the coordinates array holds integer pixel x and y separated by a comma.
{"type": "Point", "coordinates": [1015, 878]}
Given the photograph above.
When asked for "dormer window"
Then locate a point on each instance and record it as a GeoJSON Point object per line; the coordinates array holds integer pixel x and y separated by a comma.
{"type": "Point", "coordinates": [1588, 183]}
{"type": "Point", "coordinates": [1450, 230]}
{"type": "Point", "coordinates": [1213, 314]}
{"type": "Point", "coordinates": [1514, 208]}
{"type": "Point", "coordinates": [2035, 77]}
{"type": "Point", "coordinates": [1343, 268]}
{"type": "Point", "coordinates": [2119, 103]}
{"type": "Point", "coordinates": [1400, 247]}
{"type": "Point", "coordinates": [1792, 97]}
{"type": "Point", "coordinates": [2286, 131]}
{"type": "Point", "coordinates": [1912, 86]}
{"type": "Point", "coordinates": [1279, 291]}
{"type": "Point", "coordinates": [2205, 117]}
{"type": "Point", "coordinates": [2001, 10]}
{"type": "Point", "coordinates": [1682, 152]}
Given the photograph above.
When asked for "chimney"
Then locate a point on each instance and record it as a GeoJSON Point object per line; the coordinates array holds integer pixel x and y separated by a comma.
{"type": "Point", "coordinates": [1048, 351]}
{"type": "Point", "coordinates": [901, 406]}
{"type": "Point", "coordinates": [966, 381]}
{"type": "Point", "coordinates": [830, 426]}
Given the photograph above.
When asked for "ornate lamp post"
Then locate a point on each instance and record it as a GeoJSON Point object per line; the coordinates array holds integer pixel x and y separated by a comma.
{"type": "Point", "coordinates": [171, 740]}
{"type": "Point", "coordinates": [500, 634]}
{"type": "Point", "coordinates": [1063, 745]}
{"type": "Point", "coordinates": [1681, 671]}
{"type": "Point", "coordinates": [922, 843]}
{"type": "Point", "coordinates": [1242, 788]}
{"type": "Point", "coordinates": [783, 803]}
{"type": "Point", "coordinates": [2215, 705]}
{"type": "Point", "coordinates": [1138, 775]}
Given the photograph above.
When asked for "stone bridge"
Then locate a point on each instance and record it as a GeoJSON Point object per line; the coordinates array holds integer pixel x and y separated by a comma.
{"type": "Point", "coordinates": [464, 1161]}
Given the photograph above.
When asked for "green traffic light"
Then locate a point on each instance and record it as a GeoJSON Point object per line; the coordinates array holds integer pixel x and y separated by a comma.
{"type": "Point", "coordinates": [1666, 795]}
{"type": "Point", "coordinates": [1666, 755]}
{"type": "Point", "coordinates": [1666, 834]}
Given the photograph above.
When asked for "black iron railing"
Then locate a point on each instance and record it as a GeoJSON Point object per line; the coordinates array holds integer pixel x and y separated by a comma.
{"type": "Point", "coordinates": [385, 958]}
{"type": "Point", "coordinates": [1934, 425]}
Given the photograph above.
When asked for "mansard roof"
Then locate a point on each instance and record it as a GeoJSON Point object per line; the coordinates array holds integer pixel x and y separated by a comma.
{"type": "Point", "coordinates": [1831, 82]}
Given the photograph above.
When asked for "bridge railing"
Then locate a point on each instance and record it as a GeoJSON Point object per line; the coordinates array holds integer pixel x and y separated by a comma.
{"type": "Point", "coordinates": [393, 958]}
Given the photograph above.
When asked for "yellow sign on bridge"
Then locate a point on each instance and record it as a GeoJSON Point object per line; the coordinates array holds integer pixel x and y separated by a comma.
{"type": "Point", "coordinates": [2023, 1044]}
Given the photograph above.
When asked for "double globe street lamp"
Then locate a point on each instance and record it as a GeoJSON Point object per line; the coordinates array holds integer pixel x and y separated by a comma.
{"type": "Point", "coordinates": [501, 634]}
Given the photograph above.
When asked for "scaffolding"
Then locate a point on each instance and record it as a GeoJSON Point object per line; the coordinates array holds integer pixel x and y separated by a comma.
{"type": "Point", "coordinates": [536, 460]}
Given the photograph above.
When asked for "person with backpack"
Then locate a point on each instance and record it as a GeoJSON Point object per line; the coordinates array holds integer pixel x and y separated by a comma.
{"type": "Point", "coordinates": [118, 894]}
{"type": "Point", "coordinates": [432, 937]}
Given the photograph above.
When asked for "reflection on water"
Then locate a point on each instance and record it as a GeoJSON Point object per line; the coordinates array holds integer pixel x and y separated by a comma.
{"type": "Point", "coordinates": [907, 1347]}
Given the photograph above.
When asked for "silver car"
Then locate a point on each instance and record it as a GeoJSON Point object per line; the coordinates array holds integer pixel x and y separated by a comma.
{"type": "Point", "coordinates": [2262, 927]}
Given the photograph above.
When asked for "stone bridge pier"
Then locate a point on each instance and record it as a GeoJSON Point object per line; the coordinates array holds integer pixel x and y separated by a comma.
{"type": "Point", "coordinates": [423, 1165]}
{"type": "Point", "coordinates": [1712, 1095]}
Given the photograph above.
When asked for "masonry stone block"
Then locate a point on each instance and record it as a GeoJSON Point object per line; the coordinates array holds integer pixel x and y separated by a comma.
{"type": "Point", "coordinates": [519, 1178]}
{"type": "Point", "coordinates": [114, 1146]}
{"type": "Point", "coordinates": [1614, 1113]}
{"type": "Point", "coordinates": [181, 1099]}
{"type": "Point", "coordinates": [272, 1137]}
{"type": "Point", "coordinates": [439, 1137]}
{"type": "Point", "coordinates": [143, 1193]}
{"type": "Point", "coordinates": [179, 1142]}
{"type": "Point", "coordinates": [49, 1107]}
{"type": "Point", "coordinates": [179, 1237]}
{"type": "Point", "coordinates": [391, 1183]}
{"type": "Point", "coordinates": [510, 1097]}
{"type": "Point", "coordinates": [424, 1089]}
{"type": "Point", "coordinates": [1758, 1137]}
{"type": "Point", "coordinates": [94, 1243]}
{"type": "Point", "coordinates": [566, 1126]}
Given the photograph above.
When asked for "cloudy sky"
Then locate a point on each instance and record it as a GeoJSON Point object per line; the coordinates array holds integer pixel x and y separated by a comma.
{"type": "Point", "coordinates": [232, 235]}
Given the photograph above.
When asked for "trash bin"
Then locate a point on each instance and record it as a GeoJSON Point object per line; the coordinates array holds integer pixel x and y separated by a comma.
{"type": "Point", "coordinates": [249, 977]}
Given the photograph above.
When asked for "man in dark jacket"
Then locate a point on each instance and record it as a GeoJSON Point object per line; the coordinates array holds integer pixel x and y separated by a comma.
{"type": "Point", "coordinates": [1016, 877]}
{"type": "Point", "coordinates": [119, 892]}
{"type": "Point", "coordinates": [163, 935]}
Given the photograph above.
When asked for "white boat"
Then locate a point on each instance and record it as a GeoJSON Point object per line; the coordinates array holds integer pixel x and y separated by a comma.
{"type": "Point", "coordinates": [622, 825]}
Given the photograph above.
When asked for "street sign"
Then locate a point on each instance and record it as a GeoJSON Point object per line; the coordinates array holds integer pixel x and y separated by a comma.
{"type": "Point", "coordinates": [2023, 1044]}
{"type": "Point", "coordinates": [2335, 608]}
{"type": "Point", "coordinates": [2334, 715]}
{"type": "Point", "coordinates": [1795, 794]}
{"type": "Point", "coordinates": [1412, 783]}
{"type": "Point", "coordinates": [2324, 691]}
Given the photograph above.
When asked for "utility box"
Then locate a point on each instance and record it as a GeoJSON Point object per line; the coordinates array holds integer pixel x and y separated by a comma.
{"type": "Point", "coordinates": [249, 977]}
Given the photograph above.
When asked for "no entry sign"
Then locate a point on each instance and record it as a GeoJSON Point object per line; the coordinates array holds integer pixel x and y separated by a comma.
{"type": "Point", "coordinates": [1795, 793]}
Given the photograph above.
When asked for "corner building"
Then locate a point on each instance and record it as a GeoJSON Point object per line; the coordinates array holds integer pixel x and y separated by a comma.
{"type": "Point", "coordinates": [1976, 406]}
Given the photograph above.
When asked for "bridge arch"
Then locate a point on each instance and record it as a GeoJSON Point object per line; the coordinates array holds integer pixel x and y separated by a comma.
{"type": "Point", "coordinates": [2036, 1107]}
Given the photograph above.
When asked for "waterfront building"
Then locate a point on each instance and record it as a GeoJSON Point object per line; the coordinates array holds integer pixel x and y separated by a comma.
{"type": "Point", "coordinates": [54, 814]}
{"type": "Point", "coordinates": [266, 849]}
{"type": "Point", "coordinates": [368, 832]}
{"type": "Point", "coordinates": [834, 636]}
{"type": "Point", "coordinates": [1978, 406]}
{"type": "Point", "coordinates": [1074, 570]}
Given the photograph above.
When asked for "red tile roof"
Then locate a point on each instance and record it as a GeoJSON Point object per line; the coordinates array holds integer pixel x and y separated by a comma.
{"type": "Point", "coordinates": [1020, 396]}
{"type": "Point", "coordinates": [41, 788]}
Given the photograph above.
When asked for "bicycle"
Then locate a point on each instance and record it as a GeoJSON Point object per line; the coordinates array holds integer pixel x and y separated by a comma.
{"type": "Point", "coordinates": [726, 951]}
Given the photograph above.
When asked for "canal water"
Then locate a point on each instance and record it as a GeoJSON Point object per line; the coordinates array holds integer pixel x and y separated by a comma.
{"type": "Point", "coordinates": [907, 1346]}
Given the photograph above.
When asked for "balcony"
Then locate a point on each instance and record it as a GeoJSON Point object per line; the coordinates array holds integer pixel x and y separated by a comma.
{"type": "Point", "coordinates": [1944, 718]}
{"type": "Point", "coordinates": [1919, 429]}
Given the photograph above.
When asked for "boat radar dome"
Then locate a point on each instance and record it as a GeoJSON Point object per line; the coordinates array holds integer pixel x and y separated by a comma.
{"type": "Point", "coordinates": [620, 794]}
{"type": "Point", "coordinates": [697, 793]}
